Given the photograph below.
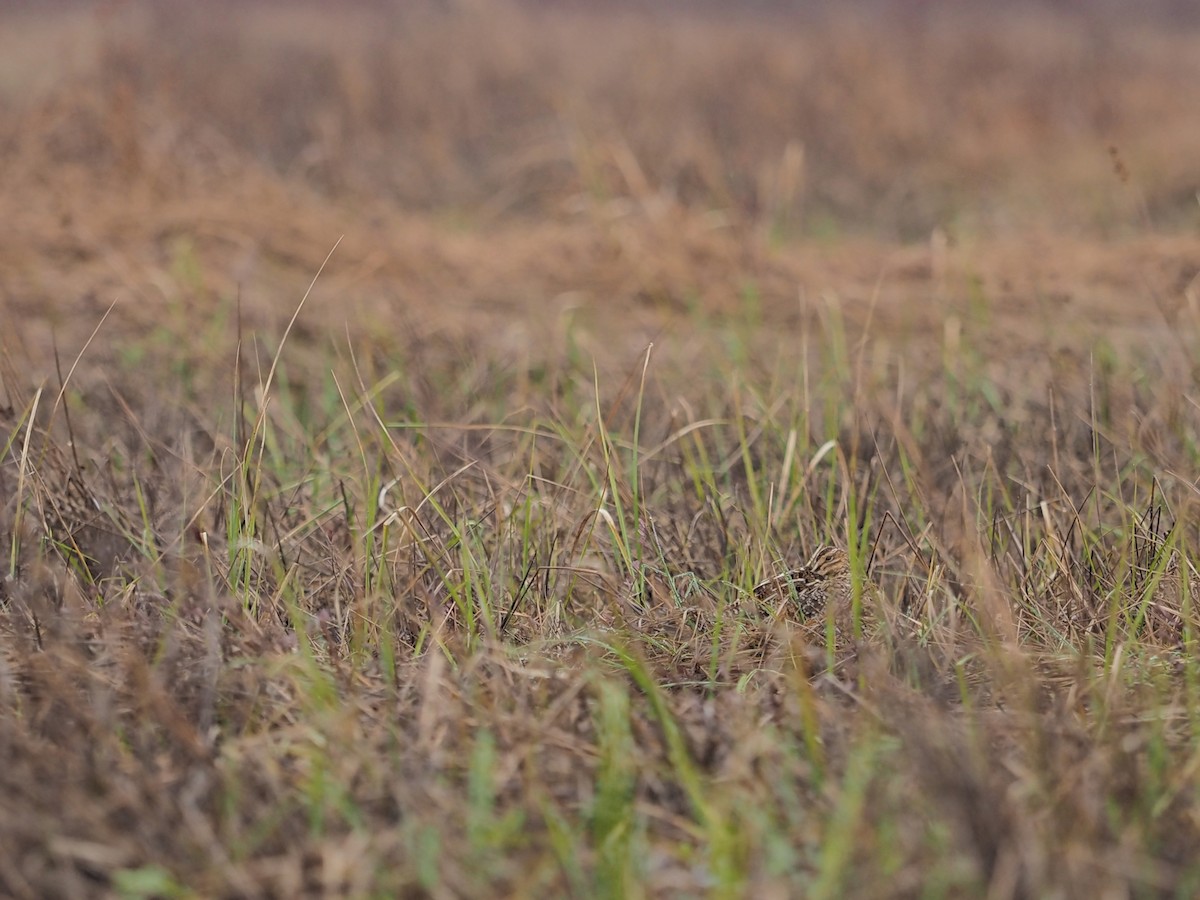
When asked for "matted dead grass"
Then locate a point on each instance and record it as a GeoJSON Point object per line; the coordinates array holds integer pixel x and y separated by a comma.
{"type": "Point", "coordinates": [445, 588]}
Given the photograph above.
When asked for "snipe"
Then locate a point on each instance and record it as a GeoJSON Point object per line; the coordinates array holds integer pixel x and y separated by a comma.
{"type": "Point", "coordinates": [823, 583]}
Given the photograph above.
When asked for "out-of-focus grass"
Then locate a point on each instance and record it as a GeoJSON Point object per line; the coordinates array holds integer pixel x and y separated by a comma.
{"type": "Point", "coordinates": [532, 664]}
{"type": "Point", "coordinates": [886, 121]}
{"type": "Point", "coordinates": [438, 582]}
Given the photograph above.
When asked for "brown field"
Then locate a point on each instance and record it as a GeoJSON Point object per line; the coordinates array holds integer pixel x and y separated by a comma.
{"type": "Point", "coordinates": [400, 402]}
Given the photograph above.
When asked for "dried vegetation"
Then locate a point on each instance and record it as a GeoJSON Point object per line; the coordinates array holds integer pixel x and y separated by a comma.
{"type": "Point", "coordinates": [435, 576]}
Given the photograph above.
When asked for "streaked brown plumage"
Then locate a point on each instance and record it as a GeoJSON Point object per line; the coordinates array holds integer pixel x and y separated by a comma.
{"type": "Point", "coordinates": [823, 583]}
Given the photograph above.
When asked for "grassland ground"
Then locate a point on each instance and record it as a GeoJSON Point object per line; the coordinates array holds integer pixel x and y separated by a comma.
{"type": "Point", "coordinates": [399, 407]}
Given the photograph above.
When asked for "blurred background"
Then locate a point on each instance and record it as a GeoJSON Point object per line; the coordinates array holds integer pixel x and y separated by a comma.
{"type": "Point", "coordinates": [883, 117]}
{"type": "Point", "coordinates": [497, 169]}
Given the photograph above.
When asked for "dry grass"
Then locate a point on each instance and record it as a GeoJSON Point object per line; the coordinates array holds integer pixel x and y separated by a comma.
{"type": "Point", "coordinates": [446, 586]}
